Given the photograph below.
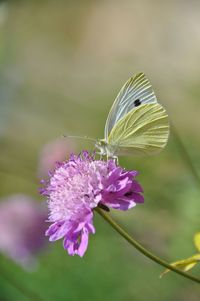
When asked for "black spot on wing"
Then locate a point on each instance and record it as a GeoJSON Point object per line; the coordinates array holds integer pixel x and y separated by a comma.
{"type": "Point", "coordinates": [137, 102]}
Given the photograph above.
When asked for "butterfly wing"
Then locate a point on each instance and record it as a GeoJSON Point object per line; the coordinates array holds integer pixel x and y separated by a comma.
{"type": "Point", "coordinates": [136, 91]}
{"type": "Point", "coordinates": [142, 131]}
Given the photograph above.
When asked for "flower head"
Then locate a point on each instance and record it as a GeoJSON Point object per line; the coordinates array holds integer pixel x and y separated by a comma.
{"type": "Point", "coordinates": [79, 185]}
{"type": "Point", "coordinates": [22, 228]}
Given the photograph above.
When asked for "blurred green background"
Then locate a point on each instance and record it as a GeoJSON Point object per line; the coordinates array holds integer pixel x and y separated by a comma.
{"type": "Point", "coordinates": [62, 64]}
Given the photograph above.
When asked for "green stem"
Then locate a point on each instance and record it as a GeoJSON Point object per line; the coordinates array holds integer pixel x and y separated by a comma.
{"type": "Point", "coordinates": [141, 249]}
{"type": "Point", "coordinates": [185, 155]}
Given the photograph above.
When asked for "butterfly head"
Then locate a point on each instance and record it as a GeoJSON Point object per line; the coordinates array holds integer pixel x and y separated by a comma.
{"type": "Point", "coordinates": [105, 149]}
{"type": "Point", "coordinates": [101, 146]}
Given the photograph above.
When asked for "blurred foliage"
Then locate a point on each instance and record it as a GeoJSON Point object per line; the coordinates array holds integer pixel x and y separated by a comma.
{"type": "Point", "coordinates": [62, 63]}
{"type": "Point", "coordinates": [188, 263]}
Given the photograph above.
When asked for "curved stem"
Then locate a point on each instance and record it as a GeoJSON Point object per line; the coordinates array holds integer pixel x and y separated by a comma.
{"type": "Point", "coordinates": [141, 249]}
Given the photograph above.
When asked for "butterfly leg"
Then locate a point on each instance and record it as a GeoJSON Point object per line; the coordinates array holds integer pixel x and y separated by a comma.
{"type": "Point", "coordinates": [100, 155]}
{"type": "Point", "coordinates": [116, 159]}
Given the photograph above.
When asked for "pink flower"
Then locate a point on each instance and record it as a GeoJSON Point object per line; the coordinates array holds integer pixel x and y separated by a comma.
{"type": "Point", "coordinates": [79, 185]}
{"type": "Point", "coordinates": [52, 152]}
{"type": "Point", "coordinates": [22, 228]}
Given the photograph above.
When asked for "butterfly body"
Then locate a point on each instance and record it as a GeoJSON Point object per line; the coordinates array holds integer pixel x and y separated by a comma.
{"type": "Point", "coordinates": [137, 124]}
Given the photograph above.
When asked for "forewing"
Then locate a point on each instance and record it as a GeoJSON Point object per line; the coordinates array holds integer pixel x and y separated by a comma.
{"type": "Point", "coordinates": [143, 131]}
{"type": "Point", "coordinates": [136, 91]}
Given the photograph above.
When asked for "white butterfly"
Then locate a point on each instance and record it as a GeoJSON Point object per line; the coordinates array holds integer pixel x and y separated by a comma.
{"type": "Point", "coordinates": [137, 124]}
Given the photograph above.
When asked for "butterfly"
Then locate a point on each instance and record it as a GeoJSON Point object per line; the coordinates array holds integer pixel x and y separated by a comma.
{"type": "Point", "coordinates": [136, 124]}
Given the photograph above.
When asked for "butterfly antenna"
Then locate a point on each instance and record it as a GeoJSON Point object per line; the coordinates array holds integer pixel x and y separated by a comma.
{"type": "Point", "coordinates": [79, 137]}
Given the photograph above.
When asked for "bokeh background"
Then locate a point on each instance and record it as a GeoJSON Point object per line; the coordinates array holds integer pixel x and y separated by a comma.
{"type": "Point", "coordinates": [62, 64]}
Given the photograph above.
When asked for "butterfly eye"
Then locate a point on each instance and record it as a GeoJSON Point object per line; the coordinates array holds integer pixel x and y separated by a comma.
{"type": "Point", "coordinates": [137, 102]}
